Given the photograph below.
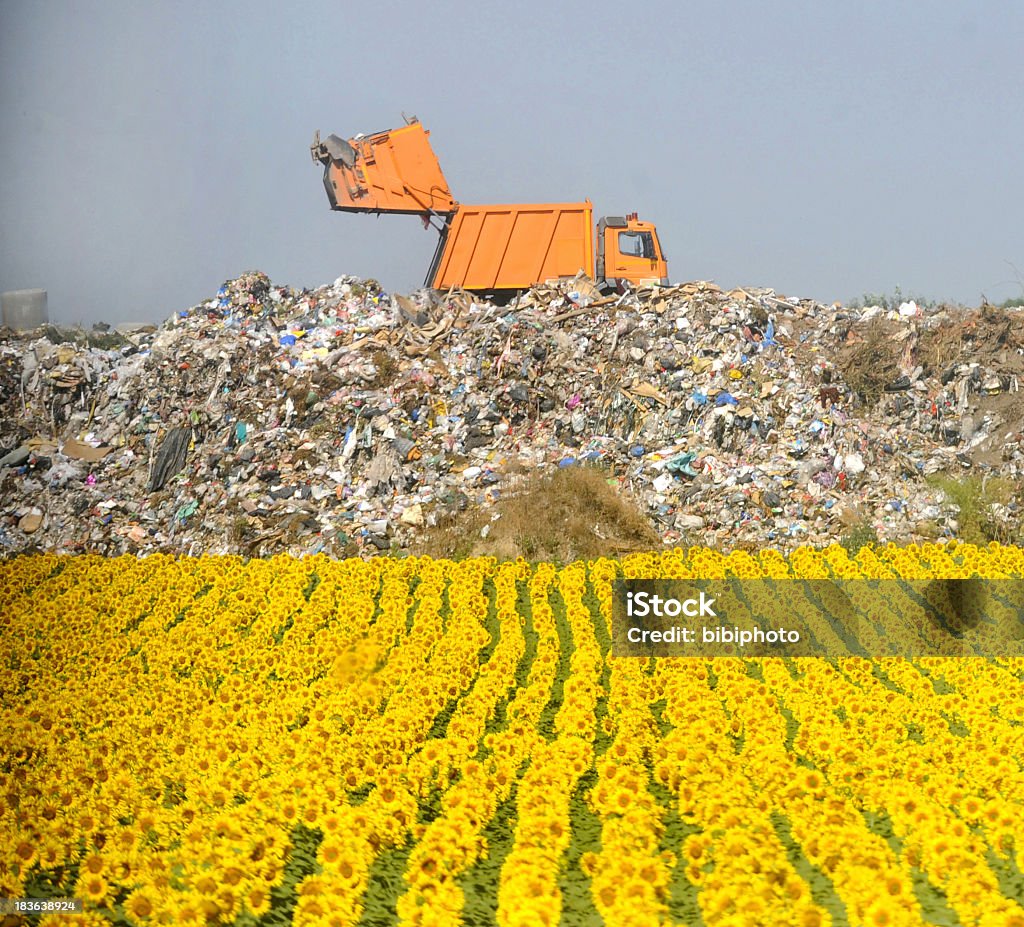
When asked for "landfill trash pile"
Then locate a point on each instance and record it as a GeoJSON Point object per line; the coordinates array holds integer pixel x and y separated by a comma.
{"type": "Point", "coordinates": [347, 420]}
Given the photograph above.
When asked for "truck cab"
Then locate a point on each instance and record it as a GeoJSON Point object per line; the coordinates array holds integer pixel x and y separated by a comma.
{"type": "Point", "coordinates": [629, 250]}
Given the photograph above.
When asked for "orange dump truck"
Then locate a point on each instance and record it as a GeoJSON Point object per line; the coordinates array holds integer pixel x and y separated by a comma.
{"type": "Point", "coordinates": [489, 249]}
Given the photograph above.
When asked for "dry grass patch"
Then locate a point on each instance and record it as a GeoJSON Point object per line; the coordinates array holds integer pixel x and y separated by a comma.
{"type": "Point", "coordinates": [569, 514]}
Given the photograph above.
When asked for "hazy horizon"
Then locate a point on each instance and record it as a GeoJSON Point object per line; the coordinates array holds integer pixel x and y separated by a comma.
{"type": "Point", "coordinates": [823, 151]}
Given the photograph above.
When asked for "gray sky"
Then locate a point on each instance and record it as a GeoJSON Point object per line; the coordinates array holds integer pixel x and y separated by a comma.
{"type": "Point", "coordinates": [152, 150]}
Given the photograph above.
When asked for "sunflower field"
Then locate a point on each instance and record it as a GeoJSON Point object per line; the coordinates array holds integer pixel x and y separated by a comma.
{"type": "Point", "coordinates": [427, 742]}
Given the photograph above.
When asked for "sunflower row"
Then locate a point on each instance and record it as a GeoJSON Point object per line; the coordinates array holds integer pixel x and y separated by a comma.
{"type": "Point", "coordinates": [736, 858]}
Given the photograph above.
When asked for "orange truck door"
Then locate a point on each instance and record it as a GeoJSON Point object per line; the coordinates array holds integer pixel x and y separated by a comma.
{"type": "Point", "coordinates": [393, 171]}
{"type": "Point", "coordinates": [632, 251]}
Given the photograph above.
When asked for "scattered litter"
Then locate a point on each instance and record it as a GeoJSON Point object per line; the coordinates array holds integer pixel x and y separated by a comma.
{"type": "Point", "coordinates": [348, 420]}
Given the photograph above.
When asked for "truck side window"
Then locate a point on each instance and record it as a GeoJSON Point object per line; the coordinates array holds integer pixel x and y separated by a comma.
{"type": "Point", "coordinates": [636, 244]}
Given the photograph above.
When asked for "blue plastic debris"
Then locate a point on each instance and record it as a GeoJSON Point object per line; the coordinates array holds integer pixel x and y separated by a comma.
{"type": "Point", "coordinates": [681, 464]}
{"type": "Point", "coordinates": [287, 340]}
{"type": "Point", "coordinates": [726, 399]}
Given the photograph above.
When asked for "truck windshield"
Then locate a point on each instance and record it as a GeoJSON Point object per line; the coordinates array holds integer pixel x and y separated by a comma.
{"type": "Point", "coordinates": [636, 244]}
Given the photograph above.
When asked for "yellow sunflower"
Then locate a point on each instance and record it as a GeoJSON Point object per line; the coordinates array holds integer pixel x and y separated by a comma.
{"type": "Point", "coordinates": [93, 888]}
{"type": "Point", "coordinates": [257, 900]}
{"type": "Point", "coordinates": [140, 905]}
